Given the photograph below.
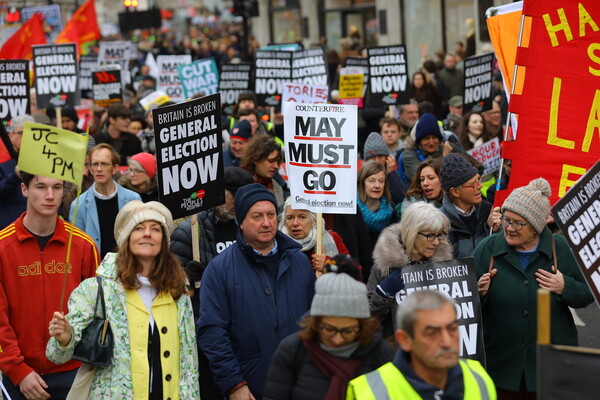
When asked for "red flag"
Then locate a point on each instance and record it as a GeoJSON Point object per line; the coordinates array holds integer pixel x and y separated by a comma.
{"type": "Point", "coordinates": [18, 46]}
{"type": "Point", "coordinates": [82, 27]}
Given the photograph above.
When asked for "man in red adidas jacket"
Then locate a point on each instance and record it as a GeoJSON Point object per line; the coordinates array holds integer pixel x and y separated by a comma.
{"type": "Point", "coordinates": [33, 252]}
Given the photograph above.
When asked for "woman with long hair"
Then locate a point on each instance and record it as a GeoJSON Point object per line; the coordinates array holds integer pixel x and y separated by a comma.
{"type": "Point", "coordinates": [422, 89]}
{"type": "Point", "coordinates": [426, 186]}
{"type": "Point", "coordinates": [150, 313]}
{"type": "Point", "coordinates": [473, 131]}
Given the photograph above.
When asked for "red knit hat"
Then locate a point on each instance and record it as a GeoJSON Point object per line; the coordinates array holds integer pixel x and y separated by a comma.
{"type": "Point", "coordinates": [147, 161]}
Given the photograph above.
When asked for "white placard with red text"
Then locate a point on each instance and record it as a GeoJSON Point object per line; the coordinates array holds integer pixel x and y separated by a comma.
{"type": "Point", "coordinates": [301, 93]}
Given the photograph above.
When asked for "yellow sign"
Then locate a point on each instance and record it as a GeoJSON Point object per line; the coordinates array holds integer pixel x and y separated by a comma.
{"type": "Point", "coordinates": [351, 86]}
{"type": "Point", "coordinates": [49, 151]}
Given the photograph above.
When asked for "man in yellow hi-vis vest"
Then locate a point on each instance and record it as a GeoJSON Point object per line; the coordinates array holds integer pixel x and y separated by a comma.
{"type": "Point", "coordinates": [427, 365]}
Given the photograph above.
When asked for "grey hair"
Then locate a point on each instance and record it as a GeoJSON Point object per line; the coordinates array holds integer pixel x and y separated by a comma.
{"type": "Point", "coordinates": [19, 121]}
{"type": "Point", "coordinates": [401, 106]}
{"type": "Point", "coordinates": [288, 204]}
{"type": "Point", "coordinates": [418, 301]}
{"type": "Point", "coordinates": [419, 217]}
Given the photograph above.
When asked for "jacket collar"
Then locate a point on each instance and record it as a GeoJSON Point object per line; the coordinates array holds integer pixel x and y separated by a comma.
{"type": "Point", "coordinates": [61, 232]}
{"type": "Point", "coordinates": [545, 245]}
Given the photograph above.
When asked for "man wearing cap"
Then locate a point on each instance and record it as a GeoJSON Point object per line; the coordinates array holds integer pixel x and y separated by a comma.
{"type": "Point", "coordinates": [33, 254]}
{"type": "Point", "coordinates": [117, 133]}
{"type": "Point", "coordinates": [377, 150]}
{"type": "Point", "coordinates": [470, 216]}
{"type": "Point", "coordinates": [253, 294]}
{"type": "Point", "coordinates": [454, 117]}
{"type": "Point", "coordinates": [238, 138]}
{"type": "Point", "coordinates": [427, 365]}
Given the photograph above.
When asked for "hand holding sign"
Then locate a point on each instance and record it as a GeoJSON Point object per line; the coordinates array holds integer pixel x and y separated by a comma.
{"type": "Point", "coordinates": [483, 285]}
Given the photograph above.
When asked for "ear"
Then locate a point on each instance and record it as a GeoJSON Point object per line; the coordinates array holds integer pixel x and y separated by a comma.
{"type": "Point", "coordinates": [453, 192]}
{"type": "Point", "coordinates": [404, 340]}
{"type": "Point", "coordinates": [24, 191]}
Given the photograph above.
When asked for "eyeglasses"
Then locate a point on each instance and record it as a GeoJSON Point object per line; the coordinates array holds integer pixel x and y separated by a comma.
{"type": "Point", "coordinates": [331, 331]}
{"type": "Point", "coordinates": [432, 236]}
{"type": "Point", "coordinates": [516, 225]}
{"type": "Point", "coordinates": [478, 184]}
{"type": "Point", "coordinates": [135, 171]}
{"type": "Point", "coordinates": [18, 132]}
{"type": "Point", "coordinates": [102, 165]}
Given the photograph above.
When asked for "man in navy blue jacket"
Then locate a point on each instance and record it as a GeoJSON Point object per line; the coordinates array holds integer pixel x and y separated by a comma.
{"type": "Point", "coordinates": [253, 294]}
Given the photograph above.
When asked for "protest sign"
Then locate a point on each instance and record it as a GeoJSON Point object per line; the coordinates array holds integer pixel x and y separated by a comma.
{"type": "Point", "coordinates": [52, 17]}
{"type": "Point", "coordinates": [458, 280]}
{"type": "Point", "coordinates": [302, 93]}
{"type": "Point", "coordinates": [234, 79]}
{"type": "Point", "coordinates": [487, 154]}
{"type": "Point", "coordinates": [310, 67]}
{"type": "Point", "coordinates": [50, 151]}
{"type": "Point", "coordinates": [168, 75]}
{"type": "Point", "coordinates": [56, 75]}
{"type": "Point", "coordinates": [577, 214]}
{"type": "Point", "coordinates": [478, 83]}
{"type": "Point", "coordinates": [351, 86]}
{"type": "Point", "coordinates": [189, 151]}
{"type": "Point", "coordinates": [85, 74]}
{"type": "Point", "coordinates": [157, 97]}
{"type": "Point", "coordinates": [107, 88]}
{"type": "Point", "coordinates": [14, 88]}
{"type": "Point", "coordinates": [559, 105]}
{"type": "Point", "coordinates": [388, 76]}
{"type": "Point", "coordinates": [272, 70]}
{"type": "Point", "coordinates": [321, 142]}
{"type": "Point", "coordinates": [117, 52]}
{"type": "Point", "coordinates": [201, 76]}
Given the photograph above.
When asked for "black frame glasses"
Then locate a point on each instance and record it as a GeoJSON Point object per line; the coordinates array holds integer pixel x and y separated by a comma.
{"type": "Point", "coordinates": [516, 225]}
{"type": "Point", "coordinates": [347, 333]}
{"type": "Point", "coordinates": [432, 236]}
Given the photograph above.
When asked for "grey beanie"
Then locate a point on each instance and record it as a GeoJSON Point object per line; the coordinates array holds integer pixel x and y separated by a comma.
{"type": "Point", "coordinates": [340, 295]}
{"type": "Point", "coordinates": [456, 170]}
{"type": "Point", "coordinates": [531, 202]}
{"type": "Point", "coordinates": [375, 146]}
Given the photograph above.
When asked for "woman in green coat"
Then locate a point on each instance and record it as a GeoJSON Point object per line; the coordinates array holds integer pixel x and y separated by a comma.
{"type": "Point", "coordinates": [523, 262]}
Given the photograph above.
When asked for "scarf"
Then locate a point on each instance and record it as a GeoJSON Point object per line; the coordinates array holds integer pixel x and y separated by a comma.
{"type": "Point", "coordinates": [339, 371]}
{"type": "Point", "coordinates": [267, 182]}
{"type": "Point", "coordinates": [378, 220]}
{"type": "Point", "coordinates": [310, 241]}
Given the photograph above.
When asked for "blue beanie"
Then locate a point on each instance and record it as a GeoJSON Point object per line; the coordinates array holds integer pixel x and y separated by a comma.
{"type": "Point", "coordinates": [427, 125]}
{"type": "Point", "coordinates": [247, 196]}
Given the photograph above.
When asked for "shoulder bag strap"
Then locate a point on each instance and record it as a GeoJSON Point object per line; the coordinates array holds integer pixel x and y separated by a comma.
{"type": "Point", "coordinates": [491, 264]}
{"type": "Point", "coordinates": [100, 298]}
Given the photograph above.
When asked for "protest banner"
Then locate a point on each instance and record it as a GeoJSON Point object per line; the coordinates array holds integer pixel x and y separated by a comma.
{"type": "Point", "coordinates": [388, 76]}
{"type": "Point", "coordinates": [302, 93]}
{"type": "Point", "coordinates": [458, 280]}
{"type": "Point", "coordinates": [85, 74]}
{"type": "Point", "coordinates": [487, 154]}
{"type": "Point", "coordinates": [157, 97]}
{"type": "Point", "coordinates": [234, 79]}
{"type": "Point", "coordinates": [478, 83]}
{"type": "Point", "coordinates": [310, 67]}
{"type": "Point", "coordinates": [272, 69]}
{"type": "Point", "coordinates": [56, 75]}
{"type": "Point", "coordinates": [50, 151]}
{"type": "Point", "coordinates": [351, 86]}
{"type": "Point", "coordinates": [118, 52]}
{"type": "Point", "coordinates": [14, 89]}
{"type": "Point", "coordinates": [201, 76]}
{"type": "Point", "coordinates": [52, 17]}
{"type": "Point", "coordinates": [189, 152]}
{"type": "Point", "coordinates": [321, 146]}
{"type": "Point", "coordinates": [559, 107]}
{"type": "Point", "coordinates": [577, 214]}
{"type": "Point", "coordinates": [107, 88]}
{"type": "Point", "coordinates": [168, 75]}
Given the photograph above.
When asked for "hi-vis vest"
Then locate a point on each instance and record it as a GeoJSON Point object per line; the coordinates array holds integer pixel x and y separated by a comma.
{"type": "Point", "coordinates": [388, 383]}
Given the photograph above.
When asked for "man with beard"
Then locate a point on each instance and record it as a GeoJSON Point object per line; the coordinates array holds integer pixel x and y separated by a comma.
{"type": "Point", "coordinates": [427, 364]}
{"type": "Point", "coordinates": [408, 116]}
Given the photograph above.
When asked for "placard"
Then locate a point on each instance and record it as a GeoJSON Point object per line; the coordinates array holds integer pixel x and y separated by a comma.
{"type": "Point", "coordinates": [478, 83]}
{"type": "Point", "coordinates": [272, 70]}
{"type": "Point", "coordinates": [234, 79]}
{"type": "Point", "coordinates": [388, 76]}
{"type": "Point", "coordinates": [321, 142]}
{"type": "Point", "coordinates": [352, 86]}
{"type": "Point", "coordinates": [107, 87]}
{"type": "Point", "coordinates": [168, 75]}
{"type": "Point", "coordinates": [14, 89]}
{"type": "Point", "coordinates": [577, 214]}
{"type": "Point", "coordinates": [302, 93]}
{"type": "Point", "coordinates": [118, 52]}
{"type": "Point", "coordinates": [56, 75]}
{"type": "Point", "coordinates": [458, 280]}
{"type": "Point", "coordinates": [310, 67]}
{"type": "Point", "coordinates": [487, 154]}
{"type": "Point", "coordinates": [86, 63]}
{"type": "Point", "coordinates": [201, 76]}
{"type": "Point", "coordinates": [189, 151]}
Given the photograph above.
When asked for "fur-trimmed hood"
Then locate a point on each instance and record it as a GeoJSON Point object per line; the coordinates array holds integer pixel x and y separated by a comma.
{"type": "Point", "coordinates": [390, 253]}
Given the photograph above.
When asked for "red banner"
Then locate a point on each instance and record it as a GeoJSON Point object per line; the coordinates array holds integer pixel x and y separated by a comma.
{"type": "Point", "coordinates": [18, 46]}
{"type": "Point", "coordinates": [559, 108]}
{"type": "Point", "coordinates": [82, 27]}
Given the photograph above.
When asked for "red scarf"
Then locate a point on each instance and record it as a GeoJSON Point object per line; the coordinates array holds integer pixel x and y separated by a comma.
{"type": "Point", "coordinates": [339, 371]}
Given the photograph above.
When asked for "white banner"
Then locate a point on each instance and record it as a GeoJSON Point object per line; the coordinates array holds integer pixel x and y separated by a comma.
{"type": "Point", "coordinates": [118, 52]}
{"type": "Point", "coordinates": [301, 93]}
{"type": "Point", "coordinates": [489, 155]}
{"type": "Point", "coordinates": [168, 75]}
{"type": "Point", "coordinates": [321, 142]}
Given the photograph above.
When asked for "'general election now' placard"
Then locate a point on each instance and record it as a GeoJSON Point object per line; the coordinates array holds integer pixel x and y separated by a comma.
{"type": "Point", "coordinates": [577, 214]}
{"type": "Point", "coordinates": [321, 154]}
{"type": "Point", "coordinates": [388, 76]}
{"type": "Point", "coordinates": [56, 77]}
{"type": "Point", "coordinates": [458, 280]}
{"type": "Point", "coordinates": [478, 83]}
{"type": "Point", "coordinates": [272, 69]}
{"type": "Point", "coordinates": [14, 88]}
{"type": "Point", "coordinates": [235, 78]}
{"type": "Point", "coordinates": [189, 151]}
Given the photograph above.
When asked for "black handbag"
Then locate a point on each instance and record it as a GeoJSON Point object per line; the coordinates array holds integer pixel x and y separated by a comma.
{"type": "Point", "coordinates": [97, 341]}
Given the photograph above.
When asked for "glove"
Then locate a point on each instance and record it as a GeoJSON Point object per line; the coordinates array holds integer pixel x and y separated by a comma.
{"type": "Point", "coordinates": [391, 285]}
{"type": "Point", "coordinates": [195, 270]}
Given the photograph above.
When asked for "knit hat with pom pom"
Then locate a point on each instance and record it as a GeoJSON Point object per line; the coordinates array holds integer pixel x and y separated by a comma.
{"type": "Point", "coordinates": [531, 202]}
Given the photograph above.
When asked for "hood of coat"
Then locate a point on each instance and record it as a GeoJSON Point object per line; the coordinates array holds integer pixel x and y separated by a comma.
{"type": "Point", "coordinates": [390, 252]}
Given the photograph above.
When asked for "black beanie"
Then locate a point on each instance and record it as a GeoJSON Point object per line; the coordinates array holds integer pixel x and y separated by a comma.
{"type": "Point", "coordinates": [247, 196]}
{"type": "Point", "coordinates": [427, 125]}
{"type": "Point", "coordinates": [455, 171]}
{"type": "Point", "coordinates": [236, 177]}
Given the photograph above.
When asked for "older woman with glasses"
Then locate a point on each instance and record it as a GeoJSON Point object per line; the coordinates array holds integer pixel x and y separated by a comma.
{"type": "Point", "coordinates": [141, 176]}
{"type": "Point", "coordinates": [421, 237]}
{"type": "Point", "coordinates": [337, 343]}
{"type": "Point", "coordinates": [512, 265]}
